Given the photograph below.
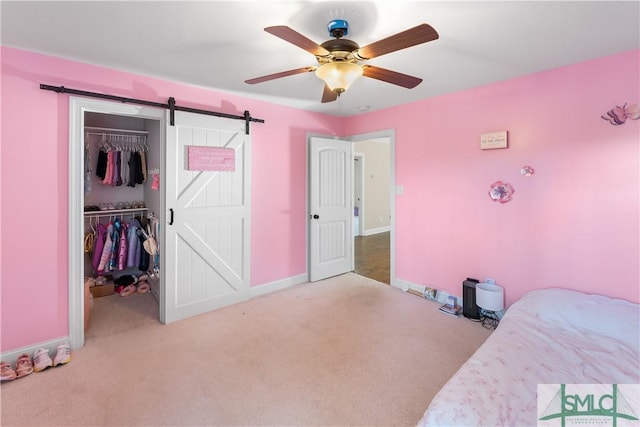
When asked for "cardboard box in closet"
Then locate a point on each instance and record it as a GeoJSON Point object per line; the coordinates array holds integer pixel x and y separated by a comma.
{"type": "Point", "coordinates": [103, 290]}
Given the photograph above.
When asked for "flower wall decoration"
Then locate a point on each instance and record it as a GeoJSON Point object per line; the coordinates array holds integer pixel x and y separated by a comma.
{"type": "Point", "coordinates": [501, 192]}
{"type": "Point", "coordinates": [526, 171]}
{"type": "Point", "coordinates": [618, 115]}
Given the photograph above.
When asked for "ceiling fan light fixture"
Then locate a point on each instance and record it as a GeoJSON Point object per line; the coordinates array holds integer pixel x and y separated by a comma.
{"type": "Point", "coordinates": [339, 75]}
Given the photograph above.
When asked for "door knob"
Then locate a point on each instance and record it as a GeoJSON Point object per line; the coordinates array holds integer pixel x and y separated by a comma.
{"type": "Point", "coordinates": [316, 216]}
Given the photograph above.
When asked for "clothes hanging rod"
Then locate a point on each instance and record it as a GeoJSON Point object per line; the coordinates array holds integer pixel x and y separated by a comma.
{"type": "Point", "coordinates": [171, 105]}
{"type": "Point", "coordinates": [99, 130]}
{"type": "Point", "coordinates": [115, 212]}
{"type": "Point", "coordinates": [139, 139]}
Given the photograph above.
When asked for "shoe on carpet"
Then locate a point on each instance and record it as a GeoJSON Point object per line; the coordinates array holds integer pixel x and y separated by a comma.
{"type": "Point", "coordinates": [41, 359]}
{"type": "Point", "coordinates": [128, 291]}
{"type": "Point", "coordinates": [143, 287]}
{"type": "Point", "coordinates": [24, 366]}
{"type": "Point", "coordinates": [63, 354]}
{"type": "Point", "coordinates": [6, 372]}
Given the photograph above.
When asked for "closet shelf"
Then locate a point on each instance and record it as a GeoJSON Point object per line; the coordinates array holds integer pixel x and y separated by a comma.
{"type": "Point", "coordinates": [109, 212]}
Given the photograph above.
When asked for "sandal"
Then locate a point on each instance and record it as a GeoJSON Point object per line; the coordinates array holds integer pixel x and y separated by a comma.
{"type": "Point", "coordinates": [6, 372]}
{"type": "Point", "coordinates": [143, 287]}
{"type": "Point", "coordinates": [24, 366]}
{"type": "Point", "coordinates": [128, 291]}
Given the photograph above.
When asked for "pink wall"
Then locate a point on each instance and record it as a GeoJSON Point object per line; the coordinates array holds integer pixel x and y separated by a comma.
{"type": "Point", "coordinates": [574, 224]}
{"type": "Point", "coordinates": [35, 170]}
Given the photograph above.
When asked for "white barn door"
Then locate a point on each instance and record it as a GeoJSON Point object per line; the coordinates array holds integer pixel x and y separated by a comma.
{"type": "Point", "coordinates": [207, 254]}
{"type": "Point", "coordinates": [330, 208]}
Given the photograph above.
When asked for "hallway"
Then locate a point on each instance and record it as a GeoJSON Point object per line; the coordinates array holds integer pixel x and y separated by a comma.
{"type": "Point", "coordinates": [372, 258]}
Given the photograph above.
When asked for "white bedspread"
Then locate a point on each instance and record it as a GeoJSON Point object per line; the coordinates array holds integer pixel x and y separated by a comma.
{"type": "Point", "coordinates": [549, 336]}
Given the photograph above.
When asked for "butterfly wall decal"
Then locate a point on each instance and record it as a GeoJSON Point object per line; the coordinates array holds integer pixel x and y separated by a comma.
{"type": "Point", "coordinates": [618, 115]}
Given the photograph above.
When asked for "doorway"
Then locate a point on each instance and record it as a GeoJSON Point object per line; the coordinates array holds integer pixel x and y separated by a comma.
{"type": "Point", "coordinates": [386, 221]}
{"type": "Point", "coordinates": [102, 114]}
{"type": "Point", "coordinates": [372, 208]}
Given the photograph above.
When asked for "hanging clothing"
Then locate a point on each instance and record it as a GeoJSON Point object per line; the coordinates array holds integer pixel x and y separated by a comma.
{"type": "Point", "coordinates": [123, 248]}
{"type": "Point", "coordinates": [144, 255]}
{"type": "Point", "coordinates": [133, 257]}
{"type": "Point", "coordinates": [115, 238]}
{"type": "Point", "coordinates": [87, 170]}
{"type": "Point", "coordinates": [106, 251]}
{"type": "Point", "coordinates": [101, 166]}
{"type": "Point", "coordinates": [115, 169]}
{"type": "Point", "coordinates": [119, 246]}
{"type": "Point", "coordinates": [124, 168]}
{"type": "Point", "coordinates": [143, 166]}
{"type": "Point", "coordinates": [99, 245]}
{"type": "Point", "coordinates": [108, 178]}
{"type": "Point", "coordinates": [135, 169]}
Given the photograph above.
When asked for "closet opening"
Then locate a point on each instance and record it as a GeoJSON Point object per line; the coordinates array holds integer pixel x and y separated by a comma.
{"type": "Point", "coordinates": [116, 208]}
{"type": "Point", "coordinates": [121, 213]}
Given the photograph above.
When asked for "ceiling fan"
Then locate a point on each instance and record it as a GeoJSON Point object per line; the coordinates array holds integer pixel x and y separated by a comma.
{"type": "Point", "coordinates": [341, 61]}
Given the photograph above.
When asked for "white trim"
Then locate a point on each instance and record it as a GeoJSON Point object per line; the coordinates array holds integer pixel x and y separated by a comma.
{"type": "Point", "coordinates": [405, 285]}
{"type": "Point", "coordinates": [372, 231]}
{"type": "Point", "coordinates": [12, 356]}
{"type": "Point", "coordinates": [76, 222]}
{"type": "Point", "coordinates": [363, 206]}
{"type": "Point", "coordinates": [278, 285]}
{"type": "Point", "coordinates": [77, 107]}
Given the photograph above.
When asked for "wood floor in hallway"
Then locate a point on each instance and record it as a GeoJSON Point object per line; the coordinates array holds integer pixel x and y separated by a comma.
{"type": "Point", "coordinates": [373, 257]}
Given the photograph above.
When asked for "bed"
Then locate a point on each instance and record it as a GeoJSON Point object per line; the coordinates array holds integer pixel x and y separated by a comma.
{"type": "Point", "coordinates": [549, 336]}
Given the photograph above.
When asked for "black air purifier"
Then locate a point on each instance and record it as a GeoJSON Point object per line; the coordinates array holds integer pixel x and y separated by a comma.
{"type": "Point", "coordinates": [469, 307]}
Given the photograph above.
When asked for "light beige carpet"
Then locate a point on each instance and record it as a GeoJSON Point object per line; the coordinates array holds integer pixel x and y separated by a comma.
{"type": "Point", "coordinates": [343, 351]}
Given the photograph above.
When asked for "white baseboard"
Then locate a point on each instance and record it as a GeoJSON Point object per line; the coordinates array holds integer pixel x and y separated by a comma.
{"type": "Point", "coordinates": [442, 295]}
{"type": "Point", "coordinates": [372, 231]}
{"type": "Point", "coordinates": [12, 356]}
{"type": "Point", "coordinates": [267, 288]}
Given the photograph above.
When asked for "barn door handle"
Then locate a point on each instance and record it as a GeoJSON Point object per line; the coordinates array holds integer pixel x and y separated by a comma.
{"type": "Point", "coordinates": [171, 216]}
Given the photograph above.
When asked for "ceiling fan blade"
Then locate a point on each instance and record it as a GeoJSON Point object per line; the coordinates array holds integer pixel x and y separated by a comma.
{"type": "Point", "coordinates": [328, 95]}
{"type": "Point", "coordinates": [392, 77]}
{"type": "Point", "coordinates": [279, 75]}
{"type": "Point", "coordinates": [421, 34]}
{"type": "Point", "coordinates": [294, 37]}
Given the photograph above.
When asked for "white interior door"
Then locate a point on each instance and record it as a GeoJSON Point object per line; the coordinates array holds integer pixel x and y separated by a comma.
{"type": "Point", "coordinates": [330, 208]}
{"type": "Point", "coordinates": [207, 254]}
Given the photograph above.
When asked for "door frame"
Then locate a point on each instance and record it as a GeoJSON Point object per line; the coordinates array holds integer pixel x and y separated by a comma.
{"type": "Point", "coordinates": [385, 133]}
{"type": "Point", "coordinates": [362, 208]}
{"type": "Point", "coordinates": [78, 106]}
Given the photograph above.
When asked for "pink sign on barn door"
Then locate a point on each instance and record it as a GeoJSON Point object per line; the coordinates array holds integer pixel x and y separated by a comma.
{"type": "Point", "coordinates": [211, 159]}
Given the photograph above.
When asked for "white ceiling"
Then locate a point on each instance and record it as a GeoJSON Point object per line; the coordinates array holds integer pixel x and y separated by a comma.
{"type": "Point", "coordinates": [220, 44]}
